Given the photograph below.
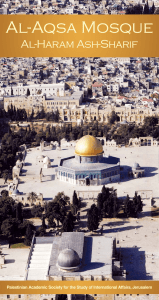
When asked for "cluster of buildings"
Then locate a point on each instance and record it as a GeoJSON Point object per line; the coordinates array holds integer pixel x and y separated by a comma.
{"type": "Point", "coordinates": [80, 297]}
{"type": "Point", "coordinates": [82, 89]}
{"type": "Point", "coordinates": [69, 7]}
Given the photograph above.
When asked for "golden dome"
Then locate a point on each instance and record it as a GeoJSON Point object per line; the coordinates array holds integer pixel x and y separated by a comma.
{"type": "Point", "coordinates": [88, 145]}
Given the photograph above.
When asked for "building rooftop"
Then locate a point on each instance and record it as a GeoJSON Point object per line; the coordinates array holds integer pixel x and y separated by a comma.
{"type": "Point", "coordinates": [88, 145]}
{"type": "Point", "coordinates": [105, 163]}
{"type": "Point", "coordinates": [95, 252]}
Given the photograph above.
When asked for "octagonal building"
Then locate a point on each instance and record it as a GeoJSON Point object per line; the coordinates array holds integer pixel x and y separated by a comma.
{"type": "Point", "coordinates": [89, 166]}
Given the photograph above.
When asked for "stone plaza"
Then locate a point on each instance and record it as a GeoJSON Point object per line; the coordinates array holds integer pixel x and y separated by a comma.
{"type": "Point", "coordinates": [138, 238]}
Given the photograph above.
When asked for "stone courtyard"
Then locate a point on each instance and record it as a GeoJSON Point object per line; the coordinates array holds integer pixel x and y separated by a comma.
{"type": "Point", "coordinates": [138, 238]}
{"type": "Point", "coordinates": [147, 157]}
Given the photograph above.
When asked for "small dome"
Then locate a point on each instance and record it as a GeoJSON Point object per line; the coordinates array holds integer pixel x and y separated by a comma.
{"type": "Point", "coordinates": [40, 156]}
{"type": "Point", "coordinates": [124, 122]}
{"type": "Point", "coordinates": [68, 258]}
{"type": "Point", "coordinates": [15, 167]}
{"type": "Point", "coordinates": [46, 160]}
{"type": "Point", "coordinates": [136, 166]}
{"type": "Point", "coordinates": [88, 145]}
{"type": "Point", "coordinates": [15, 192]}
{"type": "Point", "coordinates": [18, 163]}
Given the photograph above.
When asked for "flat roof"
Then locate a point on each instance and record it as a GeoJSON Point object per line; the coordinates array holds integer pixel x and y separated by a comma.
{"type": "Point", "coordinates": [106, 163]}
{"type": "Point", "coordinates": [96, 260]}
{"type": "Point", "coordinates": [72, 240]}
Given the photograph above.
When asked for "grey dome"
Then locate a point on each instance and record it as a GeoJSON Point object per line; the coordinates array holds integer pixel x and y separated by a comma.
{"type": "Point", "coordinates": [124, 122]}
{"type": "Point", "coordinates": [18, 163]}
{"type": "Point", "coordinates": [68, 258]}
{"type": "Point", "coordinates": [15, 192]}
{"type": "Point", "coordinates": [136, 166]}
{"type": "Point", "coordinates": [46, 160]}
{"type": "Point", "coordinates": [40, 156]}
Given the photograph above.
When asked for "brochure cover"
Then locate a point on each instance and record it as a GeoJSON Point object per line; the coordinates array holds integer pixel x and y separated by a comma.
{"type": "Point", "coordinates": [79, 140]}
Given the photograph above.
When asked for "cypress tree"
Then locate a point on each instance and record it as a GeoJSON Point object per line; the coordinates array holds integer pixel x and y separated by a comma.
{"type": "Point", "coordinates": [127, 207]}
{"type": "Point", "coordinates": [28, 92]}
{"type": "Point", "coordinates": [76, 202]}
{"type": "Point", "coordinates": [146, 9]}
{"type": "Point", "coordinates": [19, 214]}
{"type": "Point", "coordinates": [68, 223]}
{"type": "Point", "coordinates": [43, 223]}
{"type": "Point", "coordinates": [152, 10]}
{"type": "Point", "coordinates": [28, 235]}
{"type": "Point", "coordinates": [93, 218]}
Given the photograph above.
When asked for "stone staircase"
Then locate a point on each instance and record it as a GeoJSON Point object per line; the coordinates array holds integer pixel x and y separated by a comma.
{"type": "Point", "coordinates": [40, 258]}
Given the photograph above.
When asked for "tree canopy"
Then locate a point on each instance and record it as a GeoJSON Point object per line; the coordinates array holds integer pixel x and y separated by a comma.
{"type": "Point", "coordinates": [107, 203]}
{"type": "Point", "coordinates": [133, 207]}
{"type": "Point", "coordinates": [138, 9]}
{"type": "Point", "coordinates": [12, 224]}
{"type": "Point", "coordinates": [68, 223]}
{"type": "Point", "coordinates": [93, 218]}
{"type": "Point", "coordinates": [56, 209]}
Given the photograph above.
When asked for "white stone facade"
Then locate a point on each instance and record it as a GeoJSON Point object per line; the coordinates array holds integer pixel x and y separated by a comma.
{"type": "Point", "coordinates": [56, 89]}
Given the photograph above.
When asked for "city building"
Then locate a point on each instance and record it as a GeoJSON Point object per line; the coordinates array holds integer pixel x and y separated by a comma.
{"type": "Point", "coordinates": [143, 141]}
{"type": "Point", "coordinates": [48, 103]}
{"type": "Point", "coordinates": [74, 256]}
{"type": "Point", "coordinates": [89, 166]}
{"type": "Point", "coordinates": [80, 297]}
{"type": "Point", "coordinates": [34, 89]}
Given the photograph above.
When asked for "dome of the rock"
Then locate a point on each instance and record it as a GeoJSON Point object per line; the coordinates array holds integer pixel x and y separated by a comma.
{"type": "Point", "coordinates": [88, 145]}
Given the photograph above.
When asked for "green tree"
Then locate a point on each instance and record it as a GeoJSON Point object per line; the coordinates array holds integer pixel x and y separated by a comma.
{"type": "Point", "coordinates": [28, 92]}
{"type": "Point", "coordinates": [137, 205]}
{"type": "Point", "coordinates": [150, 121]}
{"type": "Point", "coordinates": [23, 227]}
{"type": "Point", "coordinates": [51, 222]}
{"type": "Point", "coordinates": [73, 209]}
{"type": "Point", "coordinates": [146, 9]}
{"type": "Point", "coordinates": [37, 211]}
{"type": "Point", "coordinates": [56, 209]}
{"type": "Point", "coordinates": [113, 117]}
{"type": "Point", "coordinates": [75, 202]}
{"type": "Point", "coordinates": [9, 228]}
{"type": "Point", "coordinates": [42, 229]}
{"type": "Point", "coordinates": [32, 115]}
{"type": "Point", "coordinates": [5, 176]}
{"type": "Point", "coordinates": [152, 10]}
{"type": "Point", "coordinates": [68, 223]}
{"type": "Point", "coordinates": [93, 218]}
{"type": "Point", "coordinates": [134, 10]}
{"type": "Point", "coordinates": [4, 193]}
{"type": "Point", "coordinates": [7, 207]}
{"type": "Point", "coordinates": [33, 197]}
{"type": "Point", "coordinates": [100, 202]}
{"type": "Point", "coordinates": [28, 235]}
{"type": "Point", "coordinates": [61, 297]}
{"type": "Point", "coordinates": [19, 213]}
{"type": "Point", "coordinates": [127, 207]}
{"type": "Point", "coordinates": [43, 223]}
{"type": "Point", "coordinates": [75, 199]}
{"type": "Point", "coordinates": [107, 203]}
{"type": "Point", "coordinates": [41, 75]}
{"type": "Point", "coordinates": [61, 199]}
